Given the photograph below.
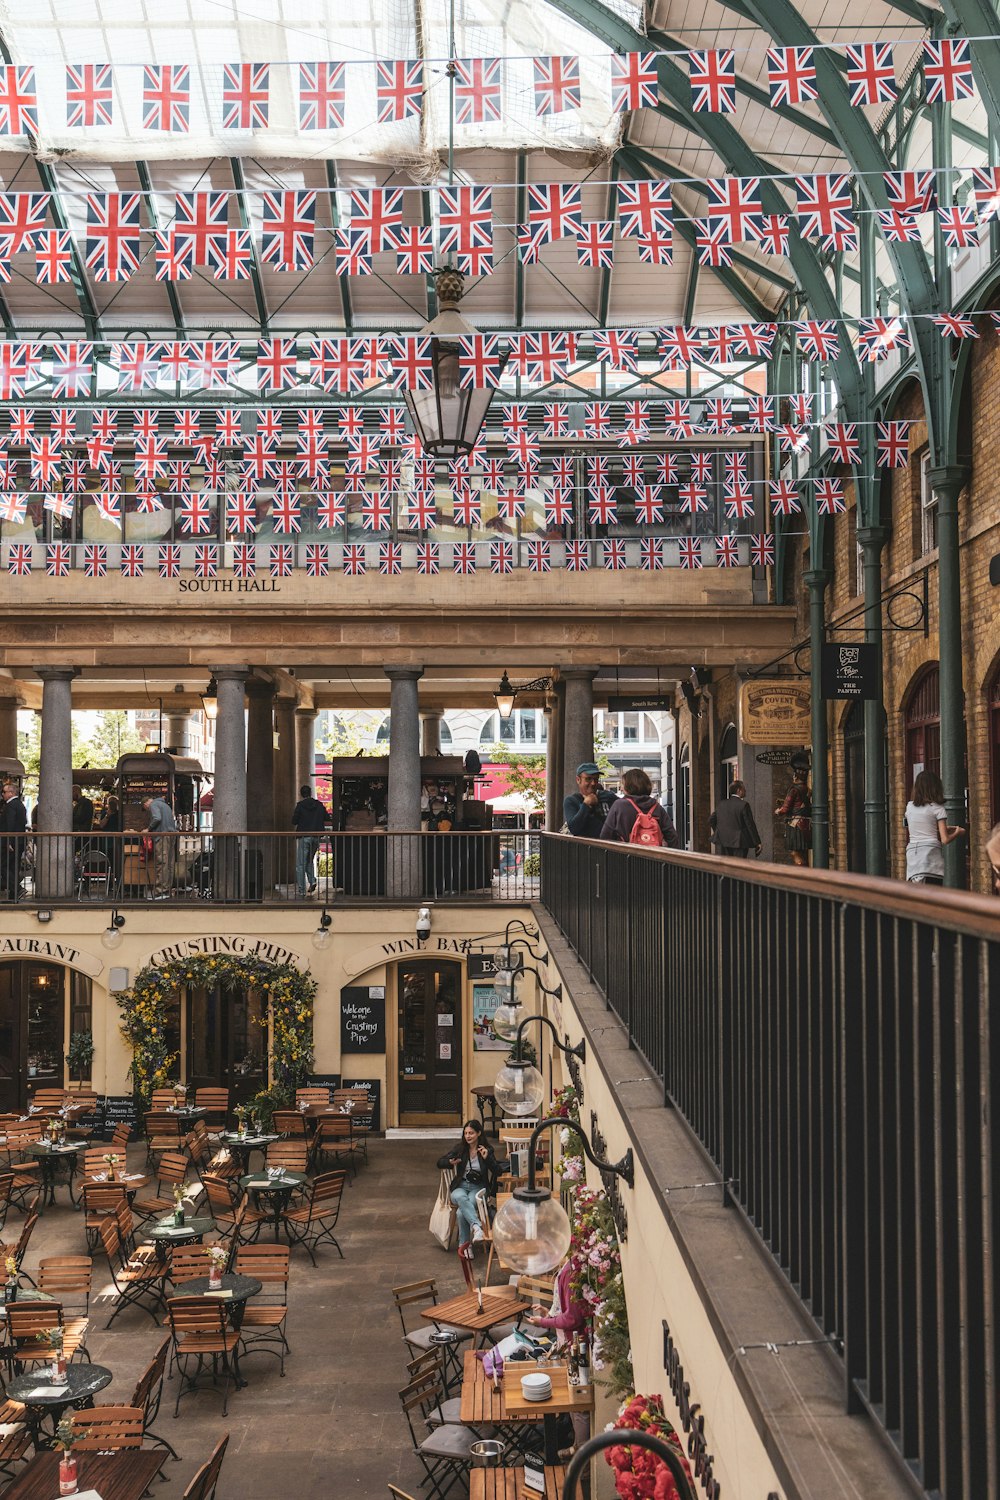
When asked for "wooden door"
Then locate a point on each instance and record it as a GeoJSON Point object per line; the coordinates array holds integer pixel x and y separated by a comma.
{"type": "Point", "coordinates": [429, 993]}
{"type": "Point", "coordinates": [12, 1061]}
{"type": "Point", "coordinates": [226, 1042]}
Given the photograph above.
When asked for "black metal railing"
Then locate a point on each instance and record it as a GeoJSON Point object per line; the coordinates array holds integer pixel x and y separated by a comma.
{"type": "Point", "coordinates": [240, 868]}
{"type": "Point", "coordinates": [833, 1044]}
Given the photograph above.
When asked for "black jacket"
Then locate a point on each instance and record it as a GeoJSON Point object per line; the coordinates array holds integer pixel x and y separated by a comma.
{"type": "Point", "coordinates": [618, 825]}
{"type": "Point", "coordinates": [13, 816]}
{"type": "Point", "coordinates": [586, 822]}
{"type": "Point", "coordinates": [309, 816]}
{"type": "Point", "coordinates": [733, 825]}
{"type": "Point", "coordinates": [458, 1157]}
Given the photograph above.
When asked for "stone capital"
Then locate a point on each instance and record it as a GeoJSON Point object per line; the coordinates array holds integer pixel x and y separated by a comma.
{"type": "Point", "coordinates": [403, 674]}
{"type": "Point", "coordinates": [258, 688]}
{"type": "Point", "coordinates": [305, 714]}
{"type": "Point", "coordinates": [57, 674]}
{"type": "Point", "coordinates": [948, 479]}
{"type": "Point", "coordinates": [230, 673]}
{"type": "Point", "coordinates": [566, 673]}
{"type": "Point", "coordinates": [872, 537]}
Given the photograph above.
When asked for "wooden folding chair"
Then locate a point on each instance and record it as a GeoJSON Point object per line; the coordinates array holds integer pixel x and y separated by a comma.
{"type": "Point", "coordinates": [19, 1250]}
{"type": "Point", "coordinates": [136, 1281]}
{"type": "Point", "coordinates": [292, 1155]}
{"type": "Point", "coordinates": [290, 1122]}
{"type": "Point", "coordinates": [163, 1133]}
{"type": "Point", "coordinates": [163, 1099]}
{"type": "Point", "coordinates": [200, 1330]}
{"type": "Point", "coordinates": [69, 1278]}
{"type": "Point", "coordinates": [239, 1219]}
{"type": "Point", "coordinates": [171, 1173]}
{"type": "Point", "coordinates": [314, 1220]}
{"type": "Point", "coordinates": [107, 1429]}
{"type": "Point", "coordinates": [265, 1318]}
{"type": "Point", "coordinates": [27, 1323]}
{"type": "Point", "coordinates": [311, 1096]}
{"type": "Point", "coordinates": [148, 1394]}
{"type": "Point", "coordinates": [334, 1141]}
{"type": "Point", "coordinates": [119, 1140]}
{"type": "Point", "coordinates": [216, 1101]}
{"type": "Point", "coordinates": [188, 1263]}
{"type": "Point", "coordinates": [203, 1485]}
{"type": "Point", "coordinates": [15, 1436]}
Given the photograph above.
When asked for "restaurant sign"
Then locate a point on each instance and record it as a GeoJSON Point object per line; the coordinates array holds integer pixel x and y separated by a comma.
{"type": "Point", "coordinates": [775, 711]}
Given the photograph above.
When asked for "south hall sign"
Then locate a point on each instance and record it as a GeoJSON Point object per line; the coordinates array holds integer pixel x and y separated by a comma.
{"type": "Point", "coordinates": [211, 947]}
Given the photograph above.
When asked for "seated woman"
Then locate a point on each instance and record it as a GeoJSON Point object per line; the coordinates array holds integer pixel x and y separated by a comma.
{"type": "Point", "coordinates": [475, 1171]}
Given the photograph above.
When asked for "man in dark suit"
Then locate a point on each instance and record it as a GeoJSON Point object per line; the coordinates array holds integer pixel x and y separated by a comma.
{"type": "Point", "coordinates": [734, 831]}
{"type": "Point", "coordinates": [13, 825]}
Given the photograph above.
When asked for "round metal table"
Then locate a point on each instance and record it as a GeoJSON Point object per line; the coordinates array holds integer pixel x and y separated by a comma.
{"type": "Point", "coordinates": [239, 1288]}
{"type": "Point", "coordinates": [52, 1157]}
{"type": "Point", "coordinates": [77, 1390]}
{"type": "Point", "coordinates": [278, 1189]}
{"type": "Point", "coordinates": [244, 1145]}
{"type": "Point", "coordinates": [191, 1232]}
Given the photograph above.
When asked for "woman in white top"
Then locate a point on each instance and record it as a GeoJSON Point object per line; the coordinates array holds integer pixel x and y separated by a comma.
{"type": "Point", "coordinates": [927, 831]}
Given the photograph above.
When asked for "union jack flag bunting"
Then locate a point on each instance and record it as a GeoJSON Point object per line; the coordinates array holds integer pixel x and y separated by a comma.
{"type": "Point", "coordinates": [236, 261]}
{"type": "Point", "coordinates": [466, 218]}
{"type": "Point", "coordinates": [667, 468]}
{"type": "Point", "coordinates": [391, 424]}
{"type": "Point", "coordinates": [713, 80]}
{"type": "Point", "coordinates": [898, 228]}
{"type": "Point", "coordinates": [644, 208]}
{"type": "Point", "coordinates": [595, 244]}
{"type": "Point", "coordinates": [45, 462]}
{"type": "Point", "coordinates": [288, 230]}
{"type": "Point", "coordinates": [269, 423]}
{"type": "Point", "coordinates": [245, 96]}
{"type": "Point", "coordinates": [515, 417]}
{"type": "Point", "coordinates": [818, 339]}
{"type": "Point", "coordinates": [701, 467]}
{"type": "Point", "coordinates": [145, 425]}
{"type": "Point", "coordinates": [736, 464]}
{"type": "Point", "coordinates": [557, 84]}
{"type": "Point", "coordinates": [791, 75]}
{"type": "Point", "coordinates": [633, 470]}
{"type": "Point", "coordinates": [111, 246]}
{"type": "Point", "coordinates": [168, 560]}
{"type": "Point", "coordinates": [378, 214]}
{"type": "Point", "coordinates": [22, 217]}
{"type": "Point", "coordinates": [602, 506]}
{"type": "Point", "coordinates": [321, 96]}
{"type": "Point", "coordinates": [738, 504]}
{"type": "Point", "coordinates": [948, 71]}
{"type": "Point", "coordinates": [784, 497]}
{"type": "Point", "coordinates": [411, 362]}
{"type": "Point", "coordinates": [986, 192]}
{"type": "Point", "coordinates": [878, 337]}
{"type": "Point", "coordinates": [829, 494]}
{"type": "Point", "coordinates": [791, 439]}
{"type": "Point", "coordinates": [206, 560]}
{"type": "Point", "coordinates": [558, 507]}
{"type": "Point", "coordinates": [390, 558]}
{"type": "Point", "coordinates": [539, 557]}
{"type": "Point", "coordinates": [14, 506]}
{"type": "Point", "coordinates": [529, 243]}
{"type": "Point", "coordinates": [718, 415]}
{"type": "Point", "coordinates": [911, 192]}
{"type": "Point", "coordinates": [18, 101]}
{"type": "Point", "coordinates": [53, 256]}
{"type": "Point", "coordinates": [501, 557]}
{"type": "Point", "coordinates": [577, 557]}
{"type": "Point", "coordinates": [137, 365]}
{"type": "Point", "coordinates": [355, 563]}
{"type": "Point", "coordinates": [760, 414]}
{"type": "Point", "coordinates": [21, 422]}
{"type": "Point", "coordinates": [281, 560]}
{"type": "Point", "coordinates": [956, 327]}
{"type": "Point", "coordinates": [871, 78]}
{"type": "Point", "coordinates": [959, 227]}
{"type": "Point", "coordinates": [317, 560]}
{"type": "Point", "coordinates": [842, 438]}
{"type": "Point", "coordinates": [212, 364]}
{"type": "Point", "coordinates": [656, 249]}
{"type": "Point", "coordinates": [840, 240]}
{"type": "Point", "coordinates": [89, 100]}
{"type": "Point", "coordinates": [173, 259]}
{"type": "Point", "coordinates": [421, 512]}
{"type": "Point", "coordinates": [19, 559]}
{"type": "Point", "coordinates": [539, 357]}
{"type": "Point", "coordinates": [72, 370]}
{"type": "Point", "coordinates": [399, 90]}
{"type": "Point", "coordinates": [801, 409]}
{"type": "Point", "coordinates": [244, 560]}
{"type": "Point", "coordinates": [824, 204]}
{"type": "Point", "coordinates": [754, 340]}
{"type": "Point", "coordinates": [286, 514]}
{"type": "Point", "coordinates": [679, 347]}
{"type": "Point", "coordinates": [691, 499]}
{"type": "Point", "coordinates": [202, 219]}
{"type": "Point", "coordinates": [277, 360]}
{"type": "Point", "coordinates": [241, 514]}
{"type": "Point", "coordinates": [376, 511]}
{"type": "Point", "coordinates": [727, 552]}
{"type": "Point", "coordinates": [228, 428]}
{"type": "Point", "coordinates": [722, 344]}
{"type": "Point", "coordinates": [555, 208]}
{"type": "Point", "coordinates": [58, 559]}
{"type": "Point", "coordinates": [476, 261]}
{"type": "Point", "coordinates": [762, 550]}
{"type": "Point", "coordinates": [893, 439]}
{"type": "Point", "coordinates": [613, 555]}
{"type": "Point", "coordinates": [428, 558]}
{"type": "Point", "coordinates": [62, 424]}
{"type": "Point", "coordinates": [618, 349]}
{"type": "Point", "coordinates": [166, 97]}
{"type": "Point", "coordinates": [414, 246]}
{"type": "Point", "coordinates": [95, 560]}
{"type": "Point", "coordinates": [352, 253]}
{"type": "Point", "coordinates": [463, 558]}
{"type": "Point", "coordinates": [132, 560]}
{"type": "Point", "coordinates": [493, 473]}
{"type": "Point", "coordinates": [331, 512]}
{"type": "Point", "coordinates": [18, 363]}
{"type": "Point", "coordinates": [634, 81]}
{"type": "Point", "coordinates": [480, 361]}
{"type": "Point", "coordinates": [510, 506]}
{"type": "Point", "coordinates": [735, 204]}
{"type": "Point", "coordinates": [195, 515]}
{"type": "Point", "coordinates": [689, 552]}
{"type": "Point", "coordinates": [651, 554]}
{"type": "Point", "coordinates": [773, 234]}
{"type": "Point", "coordinates": [711, 245]}
{"type": "Point", "coordinates": [477, 90]}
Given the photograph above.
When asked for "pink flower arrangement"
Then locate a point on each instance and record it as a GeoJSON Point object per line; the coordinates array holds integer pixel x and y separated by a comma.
{"type": "Point", "coordinates": [640, 1474]}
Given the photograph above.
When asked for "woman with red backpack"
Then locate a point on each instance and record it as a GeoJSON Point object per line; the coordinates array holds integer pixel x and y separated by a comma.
{"type": "Point", "coordinates": [637, 817]}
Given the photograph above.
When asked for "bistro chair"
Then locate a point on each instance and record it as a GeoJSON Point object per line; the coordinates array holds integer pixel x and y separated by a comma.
{"type": "Point", "coordinates": [135, 1281]}
{"type": "Point", "coordinates": [242, 1220]}
{"type": "Point", "coordinates": [290, 1122]}
{"type": "Point", "coordinates": [163, 1098]}
{"type": "Point", "coordinates": [420, 1338]}
{"type": "Point", "coordinates": [163, 1133]}
{"type": "Point", "coordinates": [334, 1141]}
{"type": "Point", "coordinates": [216, 1101]}
{"type": "Point", "coordinates": [203, 1485]}
{"type": "Point", "coordinates": [266, 1316]}
{"type": "Point", "coordinates": [188, 1263]}
{"type": "Point", "coordinates": [196, 1144]}
{"type": "Point", "coordinates": [432, 1363]}
{"type": "Point", "coordinates": [311, 1096]}
{"type": "Point", "coordinates": [104, 1429]}
{"type": "Point", "coordinates": [69, 1278]}
{"type": "Point", "coordinates": [49, 1101]}
{"type": "Point", "coordinates": [93, 874]}
{"type": "Point", "coordinates": [81, 1102]}
{"type": "Point", "coordinates": [148, 1394]}
{"type": "Point", "coordinates": [311, 1222]}
{"type": "Point", "coordinates": [15, 1436]}
{"type": "Point", "coordinates": [26, 1326]}
{"type": "Point", "coordinates": [445, 1453]}
{"type": "Point", "coordinates": [199, 1327]}
{"type": "Point", "coordinates": [119, 1139]}
{"type": "Point", "coordinates": [171, 1173]}
{"type": "Point", "coordinates": [19, 1250]}
{"type": "Point", "coordinates": [292, 1155]}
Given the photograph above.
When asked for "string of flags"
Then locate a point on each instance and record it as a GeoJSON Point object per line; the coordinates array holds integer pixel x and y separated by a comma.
{"type": "Point", "coordinates": [325, 103]}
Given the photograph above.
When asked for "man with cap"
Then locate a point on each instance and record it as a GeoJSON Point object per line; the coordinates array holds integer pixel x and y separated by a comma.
{"type": "Point", "coordinates": [585, 810]}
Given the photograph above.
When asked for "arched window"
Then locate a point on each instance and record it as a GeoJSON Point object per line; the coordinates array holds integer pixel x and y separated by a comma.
{"type": "Point", "coordinates": [488, 733]}
{"type": "Point", "coordinates": [922, 721]}
{"type": "Point", "coordinates": [382, 738]}
{"type": "Point", "coordinates": [993, 704]}
{"type": "Point", "coordinates": [684, 797]}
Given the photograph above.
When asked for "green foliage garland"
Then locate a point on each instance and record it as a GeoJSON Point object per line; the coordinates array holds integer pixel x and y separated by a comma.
{"type": "Point", "coordinates": [290, 995]}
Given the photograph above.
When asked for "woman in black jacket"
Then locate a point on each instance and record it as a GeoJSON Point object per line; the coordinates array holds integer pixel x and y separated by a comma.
{"type": "Point", "coordinates": [475, 1171]}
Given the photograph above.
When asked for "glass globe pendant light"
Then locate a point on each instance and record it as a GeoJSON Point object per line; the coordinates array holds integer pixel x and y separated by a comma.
{"type": "Point", "coordinates": [519, 1088]}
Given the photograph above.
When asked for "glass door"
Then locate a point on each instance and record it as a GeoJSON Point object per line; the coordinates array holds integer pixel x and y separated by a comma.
{"type": "Point", "coordinates": [12, 1071]}
{"type": "Point", "coordinates": [430, 1042]}
{"type": "Point", "coordinates": [32, 1031]}
{"type": "Point", "coordinates": [227, 1041]}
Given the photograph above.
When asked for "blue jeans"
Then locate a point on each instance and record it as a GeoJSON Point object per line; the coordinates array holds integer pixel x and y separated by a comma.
{"type": "Point", "coordinates": [305, 854]}
{"type": "Point", "coordinates": [464, 1198]}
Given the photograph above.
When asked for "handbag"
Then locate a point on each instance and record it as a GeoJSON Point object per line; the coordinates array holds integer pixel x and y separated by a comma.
{"type": "Point", "coordinates": [442, 1221]}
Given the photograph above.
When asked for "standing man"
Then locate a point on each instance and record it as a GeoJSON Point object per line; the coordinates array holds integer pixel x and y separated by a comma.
{"type": "Point", "coordinates": [309, 821]}
{"type": "Point", "coordinates": [83, 812]}
{"type": "Point", "coordinates": [13, 826]}
{"type": "Point", "coordinates": [585, 810]}
{"type": "Point", "coordinates": [733, 826]}
{"type": "Point", "coordinates": [162, 826]}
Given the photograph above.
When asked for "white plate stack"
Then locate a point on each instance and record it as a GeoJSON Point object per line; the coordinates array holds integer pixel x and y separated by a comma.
{"type": "Point", "coordinates": [536, 1387]}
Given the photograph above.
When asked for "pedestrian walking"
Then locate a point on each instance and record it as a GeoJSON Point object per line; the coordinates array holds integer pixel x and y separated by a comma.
{"type": "Point", "coordinates": [637, 817]}
{"type": "Point", "coordinates": [734, 830]}
{"type": "Point", "coordinates": [927, 831]}
{"type": "Point", "coordinates": [309, 820]}
{"type": "Point", "coordinates": [162, 830]}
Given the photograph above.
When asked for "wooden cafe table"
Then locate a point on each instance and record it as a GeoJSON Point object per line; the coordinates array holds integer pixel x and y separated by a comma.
{"type": "Point", "coordinates": [125, 1475]}
{"type": "Point", "coordinates": [564, 1398]}
{"type": "Point", "coordinates": [501, 1304]}
{"type": "Point", "coordinates": [482, 1401]}
{"type": "Point", "coordinates": [508, 1484]}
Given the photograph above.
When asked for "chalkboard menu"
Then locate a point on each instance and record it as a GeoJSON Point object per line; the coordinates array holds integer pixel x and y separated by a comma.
{"type": "Point", "coordinates": [374, 1087]}
{"type": "Point", "coordinates": [362, 1018]}
{"type": "Point", "coordinates": [116, 1109]}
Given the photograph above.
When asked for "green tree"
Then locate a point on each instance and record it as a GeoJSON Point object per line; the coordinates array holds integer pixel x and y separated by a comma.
{"type": "Point", "coordinates": [114, 735]}
{"type": "Point", "coordinates": [345, 737]}
{"type": "Point", "coordinates": [525, 773]}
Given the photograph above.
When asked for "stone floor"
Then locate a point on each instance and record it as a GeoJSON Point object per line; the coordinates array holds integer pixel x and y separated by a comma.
{"type": "Point", "coordinates": [333, 1425]}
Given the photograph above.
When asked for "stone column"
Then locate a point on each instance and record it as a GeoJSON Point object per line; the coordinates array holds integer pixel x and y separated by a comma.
{"type": "Point", "coordinates": [403, 869]}
{"type": "Point", "coordinates": [305, 747]}
{"type": "Point", "coordinates": [554, 759]}
{"type": "Point", "coordinates": [229, 805]}
{"type": "Point", "coordinates": [176, 734]}
{"type": "Point", "coordinates": [286, 788]}
{"type": "Point", "coordinates": [54, 859]}
{"type": "Point", "coordinates": [260, 789]}
{"type": "Point", "coordinates": [8, 727]}
{"type": "Point", "coordinates": [430, 739]}
{"type": "Point", "coordinates": [578, 721]}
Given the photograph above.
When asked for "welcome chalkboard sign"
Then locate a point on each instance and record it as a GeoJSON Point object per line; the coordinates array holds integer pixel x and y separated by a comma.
{"type": "Point", "coordinates": [362, 1018]}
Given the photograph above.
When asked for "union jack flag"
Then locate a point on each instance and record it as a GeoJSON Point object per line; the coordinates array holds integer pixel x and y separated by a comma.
{"type": "Point", "coordinates": [760, 414]}
{"type": "Point", "coordinates": [529, 243]}
{"type": "Point", "coordinates": [244, 559]}
{"type": "Point", "coordinates": [286, 513]}
{"type": "Point", "coordinates": [202, 219]}
{"type": "Point", "coordinates": [689, 552]}
{"type": "Point", "coordinates": [18, 101]}
{"type": "Point", "coordinates": [738, 503]}
{"type": "Point", "coordinates": [596, 419]}
{"type": "Point", "coordinates": [335, 365]}
{"type": "Point", "coordinates": [735, 204]}
{"type": "Point", "coordinates": [148, 497]}
{"type": "Point", "coordinates": [680, 347]}
{"type": "Point", "coordinates": [842, 438]}
{"type": "Point", "coordinates": [428, 558]}
{"type": "Point", "coordinates": [174, 259]}
{"type": "Point", "coordinates": [824, 205]}
{"type": "Point", "coordinates": [539, 357]}
{"type": "Point", "coordinates": [791, 439]}
{"type": "Point", "coordinates": [784, 497]}
{"type": "Point", "coordinates": [718, 415]}
{"type": "Point", "coordinates": [791, 75]}
{"type": "Point", "coordinates": [711, 245]}
{"type": "Point", "coordinates": [893, 444]}
{"type": "Point", "coordinates": [22, 425]}
{"type": "Point", "coordinates": [62, 424]}
{"type": "Point", "coordinates": [501, 557]}
{"type": "Point", "coordinates": [330, 512]}
{"type": "Point", "coordinates": [667, 468]}
{"type": "Point", "coordinates": [13, 506]}
{"type": "Point", "coordinates": [19, 559]}
{"type": "Point", "coordinates": [477, 261]}
{"type": "Point", "coordinates": [539, 557]}
{"type": "Point", "coordinates": [510, 506]}
{"type": "Point", "coordinates": [948, 71]}
{"type": "Point", "coordinates": [174, 358]}
{"type": "Point", "coordinates": [956, 327]}
{"type": "Point", "coordinates": [355, 563]}
{"type": "Point", "coordinates": [75, 475]}
{"type": "Point", "coordinates": [463, 557]}
{"type": "Point", "coordinates": [754, 340]}
{"type": "Point", "coordinates": [391, 423]}
{"type": "Point", "coordinates": [45, 462]}
{"type": "Point", "coordinates": [89, 100]}
{"type": "Point", "coordinates": [95, 560]}
{"type": "Point", "coordinates": [112, 241]}
{"type": "Point", "coordinates": [613, 556]}
{"type": "Point", "coordinates": [411, 361]}
{"type": "Point", "coordinates": [236, 261]}
{"type": "Point", "coordinates": [168, 560]}
{"type": "Point", "coordinates": [651, 554]}
{"type": "Point", "coordinates": [18, 363]}
{"type": "Point", "coordinates": [634, 81]}
{"type": "Point", "coordinates": [269, 423]}
{"type": "Point", "coordinates": [195, 515]}
{"type": "Point", "coordinates": [911, 192]}
{"type": "Point", "coordinates": [166, 96]}
{"type": "Point", "coordinates": [317, 560]}
{"type": "Point", "coordinates": [870, 75]}
{"type": "Point", "coordinates": [288, 230]}
{"type": "Point", "coordinates": [480, 361]}
{"type": "Point", "coordinates": [421, 513]}
{"type": "Point", "coordinates": [878, 337]}
{"type": "Point", "coordinates": [378, 214]}
{"type": "Point", "coordinates": [558, 506]}
{"type": "Point", "coordinates": [772, 234]}
{"type": "Point", "coordinates": [390, 558]}
{"type": "Point", "coordinates": [241, 514]}
{"type": "Point", "coordinates": [644, 208]}
{"type": "Point", "coordinates": [818, 339]}
{"type": "Point", "coordinates": [466, 217]}
{"type": "Point", "coordinates": [477, 88]}
{"type": "Point", "coordinates": [829, 495]}
{"type": "Point", "coordinates": [212, 365]}
{"type": "Point", "coordinates": [713, 80]}
{"type": "Point", "coordinates": [801, 408]}
{"type": "Point", "coordinates": [727, 552]}
{"type": "Point", "coordinates": [228, 432]}
{"type": "Point", "coordinates": [722, 344]}
{"type": "Point", "coordinates": [602, 505]}
{"type": "Point", "coordinates": [633, 470]}
{"type": "Point", "coordinates": [677, 414]}
{"type": "Point", "coordinates": [22, 216]}
{"type": "Point", "coordinates": [132, 560]}
{"type": "Point", "coordinates": [414, 246]}
{"type": "Point", "coordinates": [987, 191]}
{"type": "Point", "coordinates": [555, 209]}
{"type": "Point", "coordinates": [577, 557]}
{"type": "Point", "coordinates": [280, 560]}
{"type": "Point", "coordinates": [352, 253]}
{"type": "Point", "coordinates": [245, 96]}
{"type": "Point", "coordinates": [557, 84]}
{"type": "Point", "coordinates": [58, 558]}
{"type": "Point", "coordinates": [53, 256]}
{"type": "Point", "coordinates": [206, 560]}
{"type": "Point", "coordinates": [691, 498]}
{"type": "Point", "coordinates": [656, 249]}
{"type": "Point", "coordinates": [137, 364]}
{"type": "Point", "coordinates": [762, 550]}
{"type": "Point", "coordinates": [899, 228]}
{"type": "Point", "coordinates": [145, 424]}
{"type": "Point", "coordinates": [321, 95]}
{"type": "Point", "coordinates": [399, 90]}
{"type": "Point", "coordinates": [595, 244]}
{"type": "Point", "coordinates": [493, 473]}
{"type": "Point", "coordinates": [376, 511]}
{"type": "Point", "coordinates": [736, 464]}
{"type": "Point", "coordinates": [701, 467]}
{"type": "Point", "coordinates": [276, 363]}
{"type": "Point", "coordinates": [958, 227]}
{"type": "Point", "coordinates": [618, 349]}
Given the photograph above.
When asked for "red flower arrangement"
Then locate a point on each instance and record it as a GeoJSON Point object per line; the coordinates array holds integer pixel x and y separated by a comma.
{"type": "Point", "coordinates": [640, 1474]}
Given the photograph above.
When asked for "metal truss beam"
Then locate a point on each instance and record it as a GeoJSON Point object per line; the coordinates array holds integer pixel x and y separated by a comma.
{"type": "Point", "coordinates": [978, 18]}
{"type": "Point", "coordinates": [256, 280]}
{"type": "Point", "coordinates": [604, 295]}
{"type": "Point", "coordinates": [146, 183]}
{"type": "Point", "coordinates": [521, 216]}
{"type": "Point", "coordinates": [343, 282]}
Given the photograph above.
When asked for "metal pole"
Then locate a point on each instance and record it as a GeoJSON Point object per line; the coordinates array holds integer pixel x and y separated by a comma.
{"type": "Point", "coordinates": [816, 581]}
{"type": "Point", "coordinates": [947, 483]}
{"type": "Point", "coordinates": [872, 539]}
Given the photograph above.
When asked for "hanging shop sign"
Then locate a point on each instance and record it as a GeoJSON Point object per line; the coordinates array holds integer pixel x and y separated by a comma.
{"type": "Point", "coordinates": [773, 757]}
{"type": "Point", "coordinates": [362, 1018]}
{"type": "Point", "coordinates": [849, 671]}
{"type": "Point", "coordinates": [482, 964]}
{"type": "Point", "coordinates": [775, 711]}
{"type": "Point", "coordinates": [637, 703]}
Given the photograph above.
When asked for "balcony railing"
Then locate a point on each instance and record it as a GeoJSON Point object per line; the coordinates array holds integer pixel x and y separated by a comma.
{"type": "Point", "coordinates": [833, 1043]}
{"type": "Point", "coordinates": [276, 868]}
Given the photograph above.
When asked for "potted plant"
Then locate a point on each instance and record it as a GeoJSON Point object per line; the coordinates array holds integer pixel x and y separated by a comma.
{"type": "Point", "coordinates": [54, 1339]}
{"type": "Point", "coordinates": [217, 1257]}
{"type": "Point", "coordinates": [13, 1272]}
{"type": "Point", "coordinates": [640, 1474]}
{"type": "Point", "coordinates": [179, 1195]}
{"type": "Point", "coordinates": [112, 1158]}
{"type": "Point", "coordinates": [63, 1441]}
{"type": "Point", "coordinates": [80, 1055]}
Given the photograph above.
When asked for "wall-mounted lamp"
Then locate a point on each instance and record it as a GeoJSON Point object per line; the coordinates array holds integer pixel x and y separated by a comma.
{"type": "Point", "coordinates": [322, 937]}
{"type": "Point", "coordinates": [111, 937]}
{"type": "Point", "coordinates": [44, 915]}
{"type": "Point", "coordinates": [507, 1016]}
{"type": "Point", "coordinates": [210, 700]}
{"type": "Point", "coordinates": [519, 1086]}
{"type": "Point", "coordinates": [507, 691]}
